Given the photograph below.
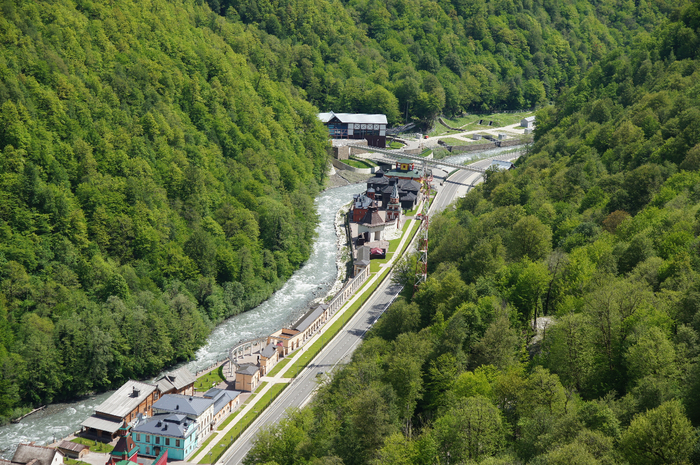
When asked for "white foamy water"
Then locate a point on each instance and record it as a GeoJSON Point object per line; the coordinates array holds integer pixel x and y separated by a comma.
{"type": "Point", "coordinates": [311, 281]}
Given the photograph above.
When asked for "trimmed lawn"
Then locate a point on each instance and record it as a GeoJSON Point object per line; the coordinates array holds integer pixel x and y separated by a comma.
{"type": "Point", "coordinates": [278, 367]}
{"type": "Point", "coordinates": [235, 414]}
{"type": "Point", "coordinates": [209, 380]}
{"type": "Point", "coordinates": [95, 446]}
{"type": "Point", "coordinates": [426, 152]}
{"type": "Point", "coordinates": [359, 163]}
{"type": "Point", "coordinates": [395, 145]}
{"type": "Point", "coordinates": [245, 421]}
{"type": "Point", "coordinates": [211, 437]}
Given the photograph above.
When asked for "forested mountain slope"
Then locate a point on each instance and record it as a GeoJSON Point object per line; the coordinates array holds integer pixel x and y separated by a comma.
{"type": "Point", "coordinates": [159, 158]}
{"type": "Point", "coordinates": [418, 58]}
{"type": "Point", "coordinates": [152, 183]}
{"type": "Point", "coordinates": [596, 230]}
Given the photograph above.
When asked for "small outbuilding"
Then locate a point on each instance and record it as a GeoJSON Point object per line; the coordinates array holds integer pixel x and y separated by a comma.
{"type": "Point", "coordinates": [72, 449]}
{"type": "Point", "coordinates": [528, 122]}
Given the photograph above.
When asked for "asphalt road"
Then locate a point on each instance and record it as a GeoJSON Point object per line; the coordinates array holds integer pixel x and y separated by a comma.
{"type": "Point", "coordinates": [340, 349]}
{"type": "Point", "coordinates": [459, 183]}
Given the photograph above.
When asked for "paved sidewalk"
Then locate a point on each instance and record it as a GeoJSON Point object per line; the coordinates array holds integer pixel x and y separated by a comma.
{"type": "Point", "coordinates": [279, 377]}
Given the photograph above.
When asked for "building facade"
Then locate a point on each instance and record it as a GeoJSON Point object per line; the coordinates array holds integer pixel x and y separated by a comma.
{"type": "Point", "coordinates": [175, 433]}
{"type": "Point", "coordinates": [197, 409]}
{"type": "Point", "coordinates": [372, 128]}
{"type": "Point", "coordinates": [247, 377]}
{"type": "Point", "coordinates": [121, 408]}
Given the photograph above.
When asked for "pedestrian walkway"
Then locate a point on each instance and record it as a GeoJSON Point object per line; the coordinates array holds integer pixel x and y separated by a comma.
{"type": "Point", "coordinates": [279, 377]}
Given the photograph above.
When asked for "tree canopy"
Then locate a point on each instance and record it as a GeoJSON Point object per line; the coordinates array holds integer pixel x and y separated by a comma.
{"type": "Point", "coordinates": [559, 322]}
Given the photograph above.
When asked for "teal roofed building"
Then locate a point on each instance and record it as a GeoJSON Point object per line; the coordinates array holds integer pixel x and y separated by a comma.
{"type": "Point", "coordinates": [175, 433]}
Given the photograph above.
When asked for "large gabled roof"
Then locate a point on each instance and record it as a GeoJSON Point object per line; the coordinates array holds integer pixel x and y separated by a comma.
{"type": "Point", "coordinates": [221, 397]}
{"type": "Point", "coordinates": [309, 317]}
{"type": "Point", "coordinates": [372, 218]}
{"type": "Point", "coordinates": [25, 453]}
{"type": "Point", "coordinates": [102, 424]}
{"type": "Point", "coordinates": [268, 351]}
{"type": "Point", "coordinates": [127, 398]}
{"type": "Point", "coordinates": [166, 424]}
{"type": "Point", "coordinates": [177, 380]}
{"type": "Point", "coordinates": [247, 370]}
{"type": "Point", "coordinates": [353, 118]}
{"type": "Point", "coordinates": [409, 185]}
{"type": "Point", "coordinates": [186, 405]}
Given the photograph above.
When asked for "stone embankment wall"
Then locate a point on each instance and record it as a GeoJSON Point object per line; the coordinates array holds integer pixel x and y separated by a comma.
{"type": "Point", "coordinates": [342, 166]}
{"type": "Point", "coordinates": [514, 142]}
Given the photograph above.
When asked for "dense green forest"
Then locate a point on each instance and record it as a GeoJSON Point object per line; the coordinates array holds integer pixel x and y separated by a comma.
{"type": "Point", "coordinates": [152, 183]}
{"type": "Point", "coordinates": [594, 236]}
{"type": "Point", "coordinates": [160, 158]}
{"type": "Point", "coordinates": [414, 59]}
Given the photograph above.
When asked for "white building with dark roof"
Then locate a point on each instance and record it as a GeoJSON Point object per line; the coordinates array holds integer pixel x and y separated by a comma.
{"type": "Point", "coordinates": [356, 126]}
{"type": "Point", "coordinates": [198, 409]}
{"type": "Point", "coordinates": [225, 402]}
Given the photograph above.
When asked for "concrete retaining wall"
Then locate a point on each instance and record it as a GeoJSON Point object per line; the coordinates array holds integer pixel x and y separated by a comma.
{"type": "Point", "coordinates": [342, 166]}
{"type": "Point", "coordinates": [513, 142]}
{"type": "Point", "coordinates": [471, 147]}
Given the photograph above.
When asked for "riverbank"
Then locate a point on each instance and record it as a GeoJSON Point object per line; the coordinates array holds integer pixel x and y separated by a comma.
{"type": "Point", "coordinates": [313, 280]}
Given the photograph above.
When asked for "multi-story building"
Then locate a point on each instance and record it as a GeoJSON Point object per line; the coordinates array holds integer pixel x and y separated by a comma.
{"type": "Point", "coordinates": [172, 432]}
{"type": "Point", "coordinates": [122, 408]}
{"type": "Point", "coordinates": [356, 126]}
{"type": "Point", "coordinates": [198, 409]}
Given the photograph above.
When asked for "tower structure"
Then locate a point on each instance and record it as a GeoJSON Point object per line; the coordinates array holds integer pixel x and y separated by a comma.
{"type": "Point", "coordinates": [393, 209]}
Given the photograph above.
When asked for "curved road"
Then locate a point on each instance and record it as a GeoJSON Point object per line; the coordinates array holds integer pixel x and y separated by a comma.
{"type": "Point", "coordinates": [340, 349]}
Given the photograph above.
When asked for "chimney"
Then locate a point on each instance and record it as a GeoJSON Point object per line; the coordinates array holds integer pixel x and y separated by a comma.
{"type": "Point", "coordinates": [137, 392]}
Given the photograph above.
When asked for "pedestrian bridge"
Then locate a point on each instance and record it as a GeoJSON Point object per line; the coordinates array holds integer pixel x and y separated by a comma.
{"type": "Point", "coordinates": [423, 160]}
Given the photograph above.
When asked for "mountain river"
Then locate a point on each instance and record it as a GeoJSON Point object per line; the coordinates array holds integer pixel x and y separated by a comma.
{"type": "Point", "coordinates": [311, 281]}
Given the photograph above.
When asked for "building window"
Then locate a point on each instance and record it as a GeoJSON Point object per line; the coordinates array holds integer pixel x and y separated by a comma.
{"type": "Point", "coordinates": [157, 439]}
{"type": "Point", "coordinates": [167, 441]}
{"type": "Point", "coordinates": [138, 437]}
{"type": "Point", "coordinates": [177, 443]}
{"type": "Point", "coordinates": [148, 451]}
{"type": "Point", "coordinates": [148, 438]}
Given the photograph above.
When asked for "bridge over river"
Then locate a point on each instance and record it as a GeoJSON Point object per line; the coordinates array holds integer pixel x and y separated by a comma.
{"type": "Point", "coordinates": [423, 160]}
